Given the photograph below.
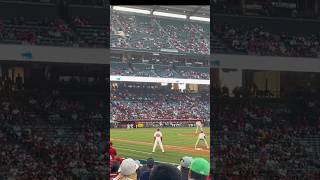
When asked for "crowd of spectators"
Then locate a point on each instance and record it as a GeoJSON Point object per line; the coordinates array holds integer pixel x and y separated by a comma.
{"type": "Point", "coordinates": [29, 155]}
{"type": "Point", "coordinates": [188, 38]}
{"type": "Point", "coordinates": [166, 71]}
{"type": "Point", "coordinates": [191, 74]}
{"type": "Point", "coordinates": [79, 32]}
{"type": "Point", "coordinates": [231, 34]}
{"type": "Point", "coordinates": [48, 134]}
{"type": "Point", "coordinates": [147, 33]}
{"type": "Point", "coordinates": [256, 40]}
{"type": "Point", "coordinates": [188, 168]}
{"type": "Point", "coordinates": [16, 162]}
{"type": "Point", "coordinates": [138, 103]}
{"type": "Point", "coordinates": [268, 8]}
{"type": "Point", "coordinates": [266, 138]}
{"type": "Point", "coordinates": [161, 59]}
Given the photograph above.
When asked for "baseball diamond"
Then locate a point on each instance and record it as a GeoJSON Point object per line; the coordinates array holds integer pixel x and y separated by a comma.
{"type": "Point", "coordinates": [137, 143]}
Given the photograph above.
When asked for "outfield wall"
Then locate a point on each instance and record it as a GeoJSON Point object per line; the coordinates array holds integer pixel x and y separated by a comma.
{"type": "Point", "coordinates": [157, 123]}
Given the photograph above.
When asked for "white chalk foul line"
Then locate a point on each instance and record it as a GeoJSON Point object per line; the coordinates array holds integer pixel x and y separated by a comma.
{"type": "Point", "coordinates": [169, 146]}
{"type": "Point", "coordinates": [146, 153]}
{"type": "Point", "coordinates": [133, 150]}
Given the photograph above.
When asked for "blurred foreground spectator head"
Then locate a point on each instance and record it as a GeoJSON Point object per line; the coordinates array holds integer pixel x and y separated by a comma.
{"type": "Point", "coordinates": [150, 162]}
{"type": "Point", "coordinates": [199, 169]}
{"type": "Point", "coordinates": [128, 170]}
{"type": "Point", "coordinates": [165, 171]}
{"type": "Point", "coordinates": [185, 162]}
{"type": "Point", "coordinates": [138, 162]}
{"type": "Point", "coordinates": [184, 167]}
{"type": "Point", "coordinates": [115, 166]}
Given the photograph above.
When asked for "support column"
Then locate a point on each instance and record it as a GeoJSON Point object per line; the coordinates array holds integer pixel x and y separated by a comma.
{"type": "Point", "coordinates": [243, 4]}
{"type": "Point", "coordinates": [316, 8]}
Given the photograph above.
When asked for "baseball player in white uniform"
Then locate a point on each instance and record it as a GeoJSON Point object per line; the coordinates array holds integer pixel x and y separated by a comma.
{"type": "Point", "coordinates": [201, 137]}
{"type": "Point", "coordinates": [157, 140]}
{"type": "Point", "coordinates": [199, 125]}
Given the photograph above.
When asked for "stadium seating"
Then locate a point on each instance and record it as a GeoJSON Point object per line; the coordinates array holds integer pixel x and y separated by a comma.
{"type": "Point", "coordinates": [144, 70]}
{"type": "Point", "coordinates": [92, 34]}
{"type": "Point", "coordinates": [287, 9]}
{"type": "Point", "coordinates": [52, 134]}
{"type": "Point", "coordinates": [145, 33]}
{"type": "Point", "coordinates": [255, 40]}
{"type": "Point", "coordinates": [53, 32]}
{"type": "Point", "coordinates": [236, 31]}
{"type": "Point", "coordinates": [134, 103]}
{"type": "Point", "coordinates": [157, 70]}
{"type": "Point", "coordinates": [265, 138]}
{"type": "Point", "coordinates": [120, 69]}
{"type": "Point", "coordinates": [193, 72]}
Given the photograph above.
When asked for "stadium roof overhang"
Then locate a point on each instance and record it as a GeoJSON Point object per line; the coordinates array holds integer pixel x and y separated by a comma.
{"type": "Point", "coordinates": [186, 10]}
{"type": "Point", "coordinates": [158, 80]}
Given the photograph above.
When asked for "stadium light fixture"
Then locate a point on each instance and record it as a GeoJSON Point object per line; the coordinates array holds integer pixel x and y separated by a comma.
{"type": "Point", "coordinates": [134, 10]}
{"type": "Point", "coordinates": [197, 18]}
{"type": "Point", "coordinates": [180, 16]}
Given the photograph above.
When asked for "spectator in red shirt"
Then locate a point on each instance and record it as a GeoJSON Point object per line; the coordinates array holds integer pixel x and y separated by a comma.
{"type": "Point", "coordinates": [112, 151]}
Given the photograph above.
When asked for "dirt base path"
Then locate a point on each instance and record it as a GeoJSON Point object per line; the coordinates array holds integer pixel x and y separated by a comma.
{"type": "Point", "coordinates": [191, 151]}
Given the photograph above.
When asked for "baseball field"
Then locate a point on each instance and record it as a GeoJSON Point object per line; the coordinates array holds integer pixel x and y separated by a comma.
{"type": "Point", "coordinates": [177, 142]}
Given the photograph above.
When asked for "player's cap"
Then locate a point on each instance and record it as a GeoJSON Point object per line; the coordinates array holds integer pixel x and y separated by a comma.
{"type": "Point", "coordinates": [185, 161]}
{"type": "Point", "coordinates": [158, 129]}
{"type": "Point", "coordinates": [128, 167]}
{"type": "Point", "coordinates": [150, 161]}
{"type": "Point", "coordinates": [200, 166]}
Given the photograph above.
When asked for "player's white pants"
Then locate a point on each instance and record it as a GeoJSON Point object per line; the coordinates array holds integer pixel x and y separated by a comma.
{"type": "Point", "coordinates": [205, 141]}
{"type": "Point", "coordinates": [198, 128]}
{"type": "Point", "coordinates": [155, 145]}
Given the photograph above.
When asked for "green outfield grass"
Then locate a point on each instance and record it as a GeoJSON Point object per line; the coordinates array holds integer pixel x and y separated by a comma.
{"type": "Point", "coordinates": [178, 142]}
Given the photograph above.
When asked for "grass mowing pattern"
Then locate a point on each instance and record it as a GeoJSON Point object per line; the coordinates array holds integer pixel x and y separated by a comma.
{"type": "Point", "coordinates": [178, 142]}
